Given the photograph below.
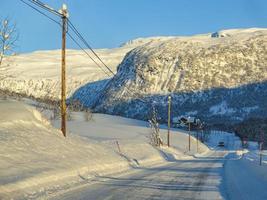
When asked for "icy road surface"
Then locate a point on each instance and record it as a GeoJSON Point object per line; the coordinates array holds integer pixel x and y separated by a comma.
{"type": "Point", "coordinates": [186, 179]}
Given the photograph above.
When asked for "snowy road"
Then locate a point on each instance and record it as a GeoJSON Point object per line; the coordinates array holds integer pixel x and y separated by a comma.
{"type": "Point", "coordinates": [187, 179]}
{"type": "Point", "coordinates": [245, 180]}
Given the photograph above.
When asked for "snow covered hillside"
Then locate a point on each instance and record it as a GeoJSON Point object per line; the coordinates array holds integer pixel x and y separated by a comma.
{"type": "Point", "coordinates": [37, 160]}
{"type": "Point", "coordinates": [37, 74]}
{"type": "Point", "coordinates": [214, 76]}
{"type": "Point", "coordinates": [217, 76]}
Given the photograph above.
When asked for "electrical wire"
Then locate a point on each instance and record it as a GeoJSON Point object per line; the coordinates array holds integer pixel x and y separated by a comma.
{"type": "Point", "coordinates": [74, 29]}
{"type": "Point", "coordinates": [67, 34]}
{"type": "Point", "coordinates": [70, 36]}
{"type": "Point", "coordinates": [87, 45]}
{"type": "Point", "coordinates": [46, 7]}
{"type": "Point", "coordinates": [40, 12]}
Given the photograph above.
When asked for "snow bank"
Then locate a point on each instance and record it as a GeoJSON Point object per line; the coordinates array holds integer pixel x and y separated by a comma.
{"type": "Point", "coordinates": [245, 178]}
{"type": "Point", "coordinates": [35, 155]}
{"type": "Point", "coordinates": [252, 154]}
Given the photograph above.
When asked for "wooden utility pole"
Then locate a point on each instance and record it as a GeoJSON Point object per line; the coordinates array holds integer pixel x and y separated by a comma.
{"type": "Point", "coordinates": [261, 145]}
{"type": "Point", "coordinates": [169, 119]}
{"type": "Point", "coordinates": [63, 70]}
{"type": "Point", "coordinates": [197, 140]}
{"type": "Point", "coordinates": [261, 153]}
{"type": "Point", "coordinates": [189, 137]}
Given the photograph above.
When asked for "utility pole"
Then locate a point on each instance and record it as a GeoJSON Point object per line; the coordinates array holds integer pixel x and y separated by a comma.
{"type": "Point", "coordinates": [63, 70]}
{"type": "Point", "coordinates": [197, 140]}
{"type": "Point", "coordinates": [261, 145]}
{"type": "Point", "coordinates": [189, 137]}
{"type": "Point", "coordinates": [169, 119]}
{"type": "Point", "coordinates": [63, 13]}
{"type": "Point", "coordinates": [261, 153]}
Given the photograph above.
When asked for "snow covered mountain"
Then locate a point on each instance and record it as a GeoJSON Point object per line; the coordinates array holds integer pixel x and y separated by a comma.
{"type": "Point", "coordinates": [218, 77]}
{"type": "Point", "coordinates": [37, 74]}
{"type": "Point", "coordinates": [215, 76]}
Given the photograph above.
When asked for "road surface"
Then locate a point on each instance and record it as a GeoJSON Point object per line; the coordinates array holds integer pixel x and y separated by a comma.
{"type": "Point", "coordinates": [198, 178]}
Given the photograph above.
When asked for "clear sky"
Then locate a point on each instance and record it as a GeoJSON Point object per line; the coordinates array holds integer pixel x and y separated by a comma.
{"type": "Point", "coordinates": [108, 23]}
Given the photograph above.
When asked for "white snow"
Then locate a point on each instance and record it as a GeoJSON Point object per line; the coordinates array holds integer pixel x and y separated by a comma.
{"type": "Point", "coordinates": [250, 109]}
{"type": "Point", "coordinates": [243, 177]}
{"type": "Point", "coordinates": [37, 74]}
{"type": "Point", "coordinates": [36, 159]}
{"type": "Point", "coordinates": [246, 179]}
{"type": "Point", "coordinates": [221, 109]}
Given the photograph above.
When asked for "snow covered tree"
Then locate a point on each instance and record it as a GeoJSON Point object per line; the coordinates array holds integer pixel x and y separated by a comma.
{"type": "Point", "coordinates": [8, 38]}
{"type": "Point", "coordinates": [88, 115]}
{"type": "Point", "coordinates": [154, 125]}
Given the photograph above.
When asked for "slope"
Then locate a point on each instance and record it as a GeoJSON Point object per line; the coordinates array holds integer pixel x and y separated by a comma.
{"type": "Point", "coordinates": [217, 77]}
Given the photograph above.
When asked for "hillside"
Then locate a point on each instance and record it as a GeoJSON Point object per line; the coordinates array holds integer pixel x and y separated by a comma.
{"type": "Point", "coordinates": [37, 74]}
{"type": "Point", "coordinates": [219, 77]}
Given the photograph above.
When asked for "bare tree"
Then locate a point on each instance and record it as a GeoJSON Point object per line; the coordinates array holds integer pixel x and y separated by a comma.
{"type": "Point", "coordinates": [8, 38]}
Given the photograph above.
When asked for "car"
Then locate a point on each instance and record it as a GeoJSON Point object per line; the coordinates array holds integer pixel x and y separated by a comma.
{"type": "Point", "coordinates": [221, 144]}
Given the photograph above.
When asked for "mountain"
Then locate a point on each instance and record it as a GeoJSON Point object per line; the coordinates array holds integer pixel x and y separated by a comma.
{"type": "Point", "coordinates": [219, 77]}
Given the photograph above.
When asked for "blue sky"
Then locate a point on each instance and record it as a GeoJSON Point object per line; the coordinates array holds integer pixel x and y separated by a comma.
{"type": "Point", "coordinates": [108, 23]}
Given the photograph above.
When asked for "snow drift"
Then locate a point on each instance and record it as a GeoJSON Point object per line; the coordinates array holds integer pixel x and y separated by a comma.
{"type": "Point", "coordinates": [34, 154]}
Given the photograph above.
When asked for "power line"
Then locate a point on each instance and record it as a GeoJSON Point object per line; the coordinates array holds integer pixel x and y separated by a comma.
{"type": "Point", "coordinates": [40, 12]}
{"type": "Point", "coordinates": [86, 53]}
{"type": "Point", "coordinates": [67, 33]}
{"type": "Point", "coordinates": [87, 45]}
{"type": "Point", "coordinates": [40, 4]}
{"type": "Point", "coordinates": [73, 28]}
{"type": "Point", "coordinates": [64, 25]}
{"type": "Point", "coordinates": [128, 90]}
{"type": "Point", "coordinates": [46, 7]}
